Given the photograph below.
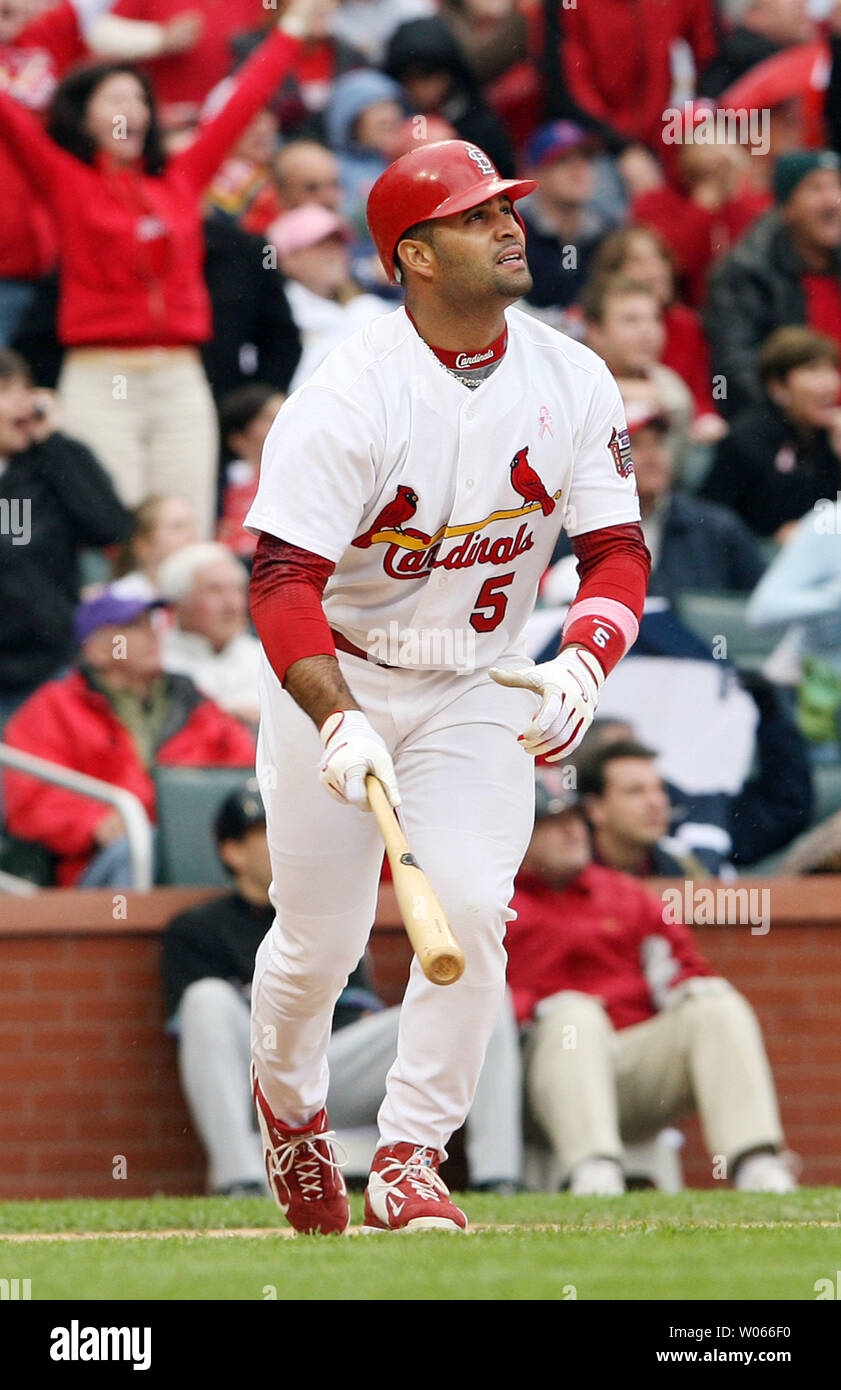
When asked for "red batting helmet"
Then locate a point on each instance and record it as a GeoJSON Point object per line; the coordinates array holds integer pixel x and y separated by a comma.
{"type": "Point", "coordinates": [430, 182]}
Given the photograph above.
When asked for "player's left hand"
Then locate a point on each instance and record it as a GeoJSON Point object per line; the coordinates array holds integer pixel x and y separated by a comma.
{"type": "Point", "coordinates": [570, 686]}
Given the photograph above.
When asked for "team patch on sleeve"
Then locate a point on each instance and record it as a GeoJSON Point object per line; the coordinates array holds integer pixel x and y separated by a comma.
{"type": "Point", "coordinates": [619, 445]}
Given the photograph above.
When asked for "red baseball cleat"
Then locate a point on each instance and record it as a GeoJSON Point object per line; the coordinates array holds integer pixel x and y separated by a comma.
{"type": "Point", "coordinates": [304, 1173]}
{"type": "Point", "coordinates": [405, 1192]}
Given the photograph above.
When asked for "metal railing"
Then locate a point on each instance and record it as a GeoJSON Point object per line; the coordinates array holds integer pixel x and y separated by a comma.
{"type": "Point", "coordinates": [130, 807]}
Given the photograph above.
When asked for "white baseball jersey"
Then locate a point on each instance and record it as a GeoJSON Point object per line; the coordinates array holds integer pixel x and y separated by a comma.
{"type": "Point", "coordinates": [440, 506]}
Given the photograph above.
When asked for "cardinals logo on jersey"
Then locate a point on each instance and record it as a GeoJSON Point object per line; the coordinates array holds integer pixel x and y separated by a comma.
{"type": "Point", "coordinates": [391, 518]}
{"type": "Point", "coordinates": [526, 481]}
{"type": "Point", "coordinates": [619, 445]}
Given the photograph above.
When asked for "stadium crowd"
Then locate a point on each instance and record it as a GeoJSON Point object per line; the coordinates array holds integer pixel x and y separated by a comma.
{"type": "Point", "coordinates": [183, 241]}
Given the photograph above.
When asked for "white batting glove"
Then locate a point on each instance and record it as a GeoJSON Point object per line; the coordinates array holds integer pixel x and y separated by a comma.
{"type": "Point", "coordinates": [352, 749]}
{"type": "Point", "coordinates": [570, 686]}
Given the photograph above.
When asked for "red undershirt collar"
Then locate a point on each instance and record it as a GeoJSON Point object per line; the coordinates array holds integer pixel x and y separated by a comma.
{"type": "Point", "coordinates": [463, 361]}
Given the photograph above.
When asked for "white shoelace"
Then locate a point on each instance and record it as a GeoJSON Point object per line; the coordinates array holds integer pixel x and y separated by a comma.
{"type": "Point", "coordinates": [425, 1180]}
{"type": "Point", "coordinates": [309, 1167]}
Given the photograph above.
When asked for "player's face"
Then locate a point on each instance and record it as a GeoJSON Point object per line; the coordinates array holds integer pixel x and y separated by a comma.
{"type": "Point", "coordinates": [17, 403]}
{"type": "Point", "coordinates": [559, 848]}
{"type": "Point", "coordinates": [481, 253]}
{"type": "Point", "coordinates": [634, 807]}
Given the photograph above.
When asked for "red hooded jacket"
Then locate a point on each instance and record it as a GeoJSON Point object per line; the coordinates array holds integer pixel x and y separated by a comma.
{"type": "Point", "coordinates": [70, 722]}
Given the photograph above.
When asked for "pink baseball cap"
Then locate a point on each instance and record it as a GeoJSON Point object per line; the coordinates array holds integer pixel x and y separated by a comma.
{"type": "Point", "coordinates": [304, 227]}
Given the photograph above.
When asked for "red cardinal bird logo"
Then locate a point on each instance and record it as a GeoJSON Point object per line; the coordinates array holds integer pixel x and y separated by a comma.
{"type": "Point", "coordinates": [392, 516]}
{"type": "Point", "coordinates": [525, 481]}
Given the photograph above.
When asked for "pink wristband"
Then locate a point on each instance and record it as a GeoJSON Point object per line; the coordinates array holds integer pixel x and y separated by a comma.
{"type": "Point", "coordinates": [606, 628]}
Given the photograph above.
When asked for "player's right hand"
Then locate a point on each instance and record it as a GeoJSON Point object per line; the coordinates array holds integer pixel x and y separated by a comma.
{"type": "Point", "coordinates": [352, 749]}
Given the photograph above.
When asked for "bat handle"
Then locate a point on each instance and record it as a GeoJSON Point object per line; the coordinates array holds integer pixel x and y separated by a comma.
{"type": "Point", "coordinates": [384, 815]}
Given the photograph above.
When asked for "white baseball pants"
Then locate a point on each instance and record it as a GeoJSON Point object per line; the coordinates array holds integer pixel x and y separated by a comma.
{"type": "Point", "coordinates": [468, 805]}
{"type": "Point", "coordinates": [213, 1059]}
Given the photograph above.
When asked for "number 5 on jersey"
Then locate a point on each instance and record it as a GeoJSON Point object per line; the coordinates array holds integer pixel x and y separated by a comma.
{"type": "Point", "coordinates": [491, 603]}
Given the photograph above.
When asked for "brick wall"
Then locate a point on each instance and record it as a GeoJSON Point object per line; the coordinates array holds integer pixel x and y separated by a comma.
{"type": "Point", "coordinates": [88, 1078]}
{"type": "Point", "coordinates": [793, 980]}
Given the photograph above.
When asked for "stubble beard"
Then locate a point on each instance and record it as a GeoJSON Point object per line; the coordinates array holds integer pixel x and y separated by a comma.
{"type": "Point", "coordinates": [493, 286]}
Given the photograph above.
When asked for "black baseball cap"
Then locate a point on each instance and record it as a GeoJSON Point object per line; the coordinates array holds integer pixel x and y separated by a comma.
{"type": "Point", "coordinates": [240, 812]}
{"type": "Point", "coordinates": [552, 794]}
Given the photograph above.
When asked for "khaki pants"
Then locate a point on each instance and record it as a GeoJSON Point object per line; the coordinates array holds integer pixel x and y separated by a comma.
{"type": "Point", "coordinates": [148, 415]}
{"type": "Point", "coordinates": [592, 1088]}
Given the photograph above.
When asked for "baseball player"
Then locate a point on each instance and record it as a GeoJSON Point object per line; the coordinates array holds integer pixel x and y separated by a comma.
{"type": "Point", "coordinates": [410, 498]}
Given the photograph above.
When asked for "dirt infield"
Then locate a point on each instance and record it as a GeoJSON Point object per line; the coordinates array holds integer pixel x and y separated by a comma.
{"type": "Point", "coordinates": [286, 1232]}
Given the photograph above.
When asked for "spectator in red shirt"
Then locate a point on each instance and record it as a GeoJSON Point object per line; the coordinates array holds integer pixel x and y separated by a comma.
{"type": "Point", "coordinates": [134, 307]}
{"type": "Point", "coordinates": [33, 56]}
{"type": "Point", "coordinates": [628, 1026]}
{"type": "Point", "coordinates": [640, 254]}
{"type": "Point", "coordinates": [116, 717]}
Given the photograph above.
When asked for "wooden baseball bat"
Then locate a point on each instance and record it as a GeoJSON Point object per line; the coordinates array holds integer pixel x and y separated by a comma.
{"type": "Point", "coordinates": [440, 956]}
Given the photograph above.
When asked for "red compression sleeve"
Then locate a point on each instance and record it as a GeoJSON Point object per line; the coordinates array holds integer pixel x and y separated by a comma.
{"type": "Point", "coordinates": [287, 584]}
{"type": "Point", "coordinates": [613, 570]}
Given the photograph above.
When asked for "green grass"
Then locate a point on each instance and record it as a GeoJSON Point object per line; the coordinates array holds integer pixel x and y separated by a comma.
{"type": "Point", "coordinates": [692, 1245]}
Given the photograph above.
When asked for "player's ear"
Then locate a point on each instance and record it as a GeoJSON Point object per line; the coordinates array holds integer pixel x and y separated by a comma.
{"type": "Point", "coordinates": [417, 256]}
